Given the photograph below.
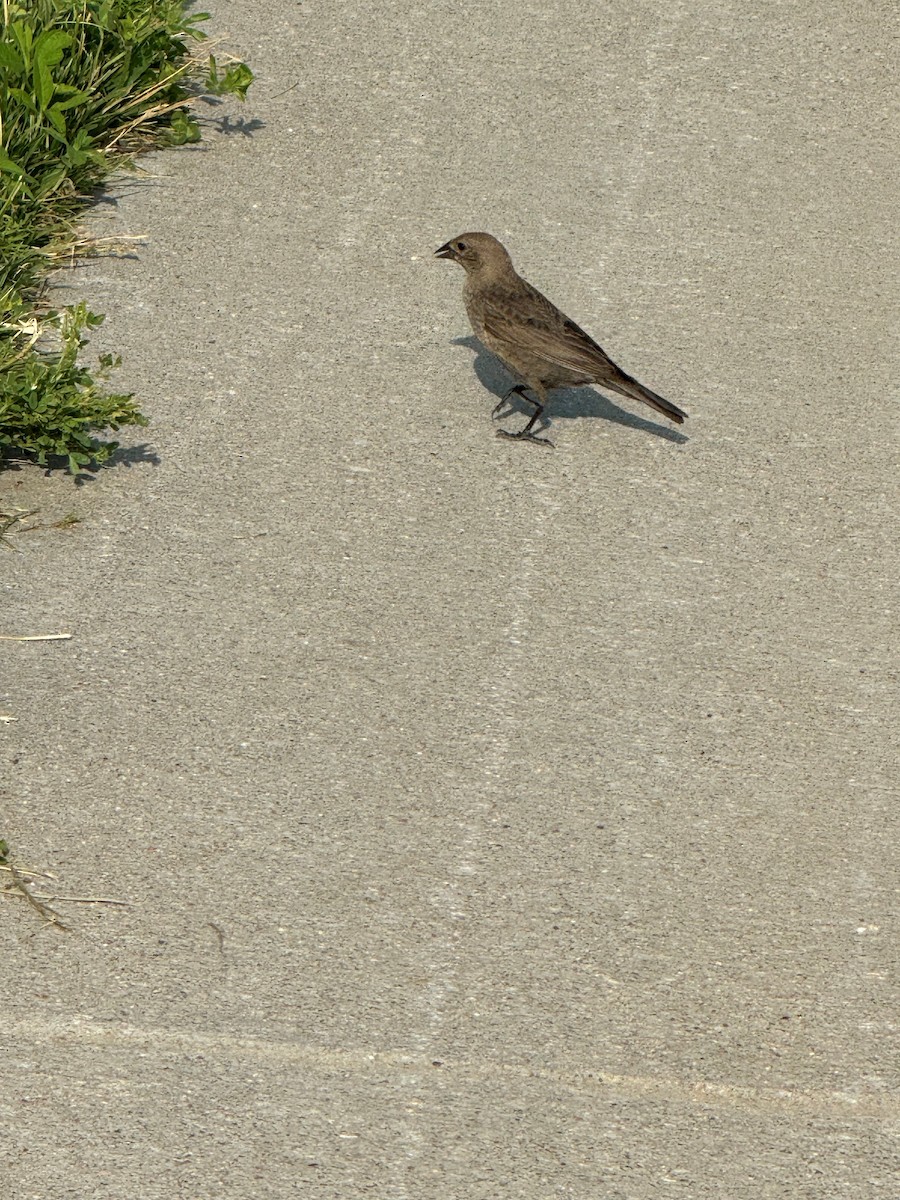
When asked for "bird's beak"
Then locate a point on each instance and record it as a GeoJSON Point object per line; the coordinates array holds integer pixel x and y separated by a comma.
{"type": "Point", "coordinates": [445, 251]}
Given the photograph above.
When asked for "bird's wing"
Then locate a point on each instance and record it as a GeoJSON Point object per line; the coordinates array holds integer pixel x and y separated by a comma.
{"type": "Point", "coordinates": [528, 322]}
{"type": "Point", "coordinates": [521, 325]}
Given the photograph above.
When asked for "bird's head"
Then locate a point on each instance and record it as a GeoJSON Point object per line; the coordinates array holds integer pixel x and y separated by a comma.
{"type": "Point", "coordinates": [476, 252]}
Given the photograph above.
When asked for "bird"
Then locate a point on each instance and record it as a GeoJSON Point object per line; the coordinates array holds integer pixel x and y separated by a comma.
{"type": "Point", "coordinates": [539, 345]}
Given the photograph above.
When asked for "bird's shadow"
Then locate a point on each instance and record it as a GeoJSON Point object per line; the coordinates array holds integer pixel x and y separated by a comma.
{"type": "Point", "coordinates": [564, 403]}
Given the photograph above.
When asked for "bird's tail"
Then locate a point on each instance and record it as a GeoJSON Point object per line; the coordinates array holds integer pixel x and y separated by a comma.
{"type": "Point", "coordinates": [630, 387]}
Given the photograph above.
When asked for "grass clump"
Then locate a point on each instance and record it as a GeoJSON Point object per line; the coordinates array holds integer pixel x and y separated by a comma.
{"type": "Point", "coordinates": [84, 86]}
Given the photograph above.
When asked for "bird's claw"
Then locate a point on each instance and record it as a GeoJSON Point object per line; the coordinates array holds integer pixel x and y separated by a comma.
{"type": "Point", "coordinates": [524, 436]}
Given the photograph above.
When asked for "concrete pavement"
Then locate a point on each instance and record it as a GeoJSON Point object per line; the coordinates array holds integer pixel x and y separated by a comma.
{"type": "Point", "coordinates": [495, 822]}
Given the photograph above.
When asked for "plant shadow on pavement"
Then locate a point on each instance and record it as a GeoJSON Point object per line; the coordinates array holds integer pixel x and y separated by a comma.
{"type": "Point", "coordinates": [232, 125]}
{"type": "Point", "coordinates": [123, 456]}
{"type": "Point", "coordinates": [564, 403]}
{"type": "Point", "coordinates": [226, 124]}
{"type": "Point", "coordinates": [133, 456]}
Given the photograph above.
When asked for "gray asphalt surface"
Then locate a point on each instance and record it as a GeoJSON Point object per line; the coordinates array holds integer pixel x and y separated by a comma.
{"type": "Point", "coordinates": [495, 822]}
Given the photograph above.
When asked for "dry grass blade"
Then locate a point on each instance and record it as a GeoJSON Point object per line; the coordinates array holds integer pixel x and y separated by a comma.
{"type": "Point", "coordinates": [35, 637]}
{"type": "Point", "coordinates": [31, 873]}
{"type": "Point", "coordinates": [24, 886]}
{"type": "Point", "coordinates": [86, 245]}
{"type": "Point", "coordinates": [7, 520]}
{"type": "Point", "coordinates": [22, 889]}
{"type": "Point", "coordinates": [30, 328]}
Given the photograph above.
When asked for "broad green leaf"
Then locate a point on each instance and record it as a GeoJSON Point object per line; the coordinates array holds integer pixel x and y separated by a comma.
{"type": "Point", "coordinates": [50, 45]}
{"type": "Point", "coordinates": [101, 15]}
{"type": "Point", "coordinates": [22, 32]}
{"type": "Point", "coordinates": [183, 129]}
{"type": "Point", "coordinates": [43, 83]}
{"type": "Point", "coordinates": [10, 61]}
{"type": "Point", "coordinates": [238, 80]}
{"type": "Point", "coordinates": [75, 157]}
{"type": "Point", "coordinates": [56, 119]}
{"type": "Point", "coordinates": [24, 99]}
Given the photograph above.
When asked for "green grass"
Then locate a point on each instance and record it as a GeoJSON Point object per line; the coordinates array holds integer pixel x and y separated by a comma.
{"type": "Point", "coordinates": [84, 86]}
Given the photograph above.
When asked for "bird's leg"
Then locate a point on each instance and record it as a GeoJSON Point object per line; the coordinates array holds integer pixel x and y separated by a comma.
{"type": "Point", "coordinates": [538, 410]}
{"type": "Point", "coordinates": [525, 435]}
{"type": "Point", "coordinates": [518, 390]}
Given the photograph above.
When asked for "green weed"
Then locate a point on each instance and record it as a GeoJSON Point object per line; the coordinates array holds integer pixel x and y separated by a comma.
{"type": "Point", "coordinates": [84, 86]}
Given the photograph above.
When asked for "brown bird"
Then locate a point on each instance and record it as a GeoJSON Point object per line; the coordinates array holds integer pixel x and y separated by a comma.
{"type": "Point", "coordinates": [536, 342]}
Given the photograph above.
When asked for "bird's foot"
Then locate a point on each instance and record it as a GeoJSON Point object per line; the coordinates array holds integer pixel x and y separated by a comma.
{"type": "Point", "coordinates": [525, 435]}
{"type": "Point", "coordinates": [495, 411]}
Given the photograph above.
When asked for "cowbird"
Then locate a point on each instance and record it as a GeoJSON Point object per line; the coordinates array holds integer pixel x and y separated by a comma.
{"type": "Point", "coordinates": [539, 345]}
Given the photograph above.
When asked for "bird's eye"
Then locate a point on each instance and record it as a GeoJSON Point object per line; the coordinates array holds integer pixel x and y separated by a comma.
{"type": "Point", "coordinates": [460, 245]}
